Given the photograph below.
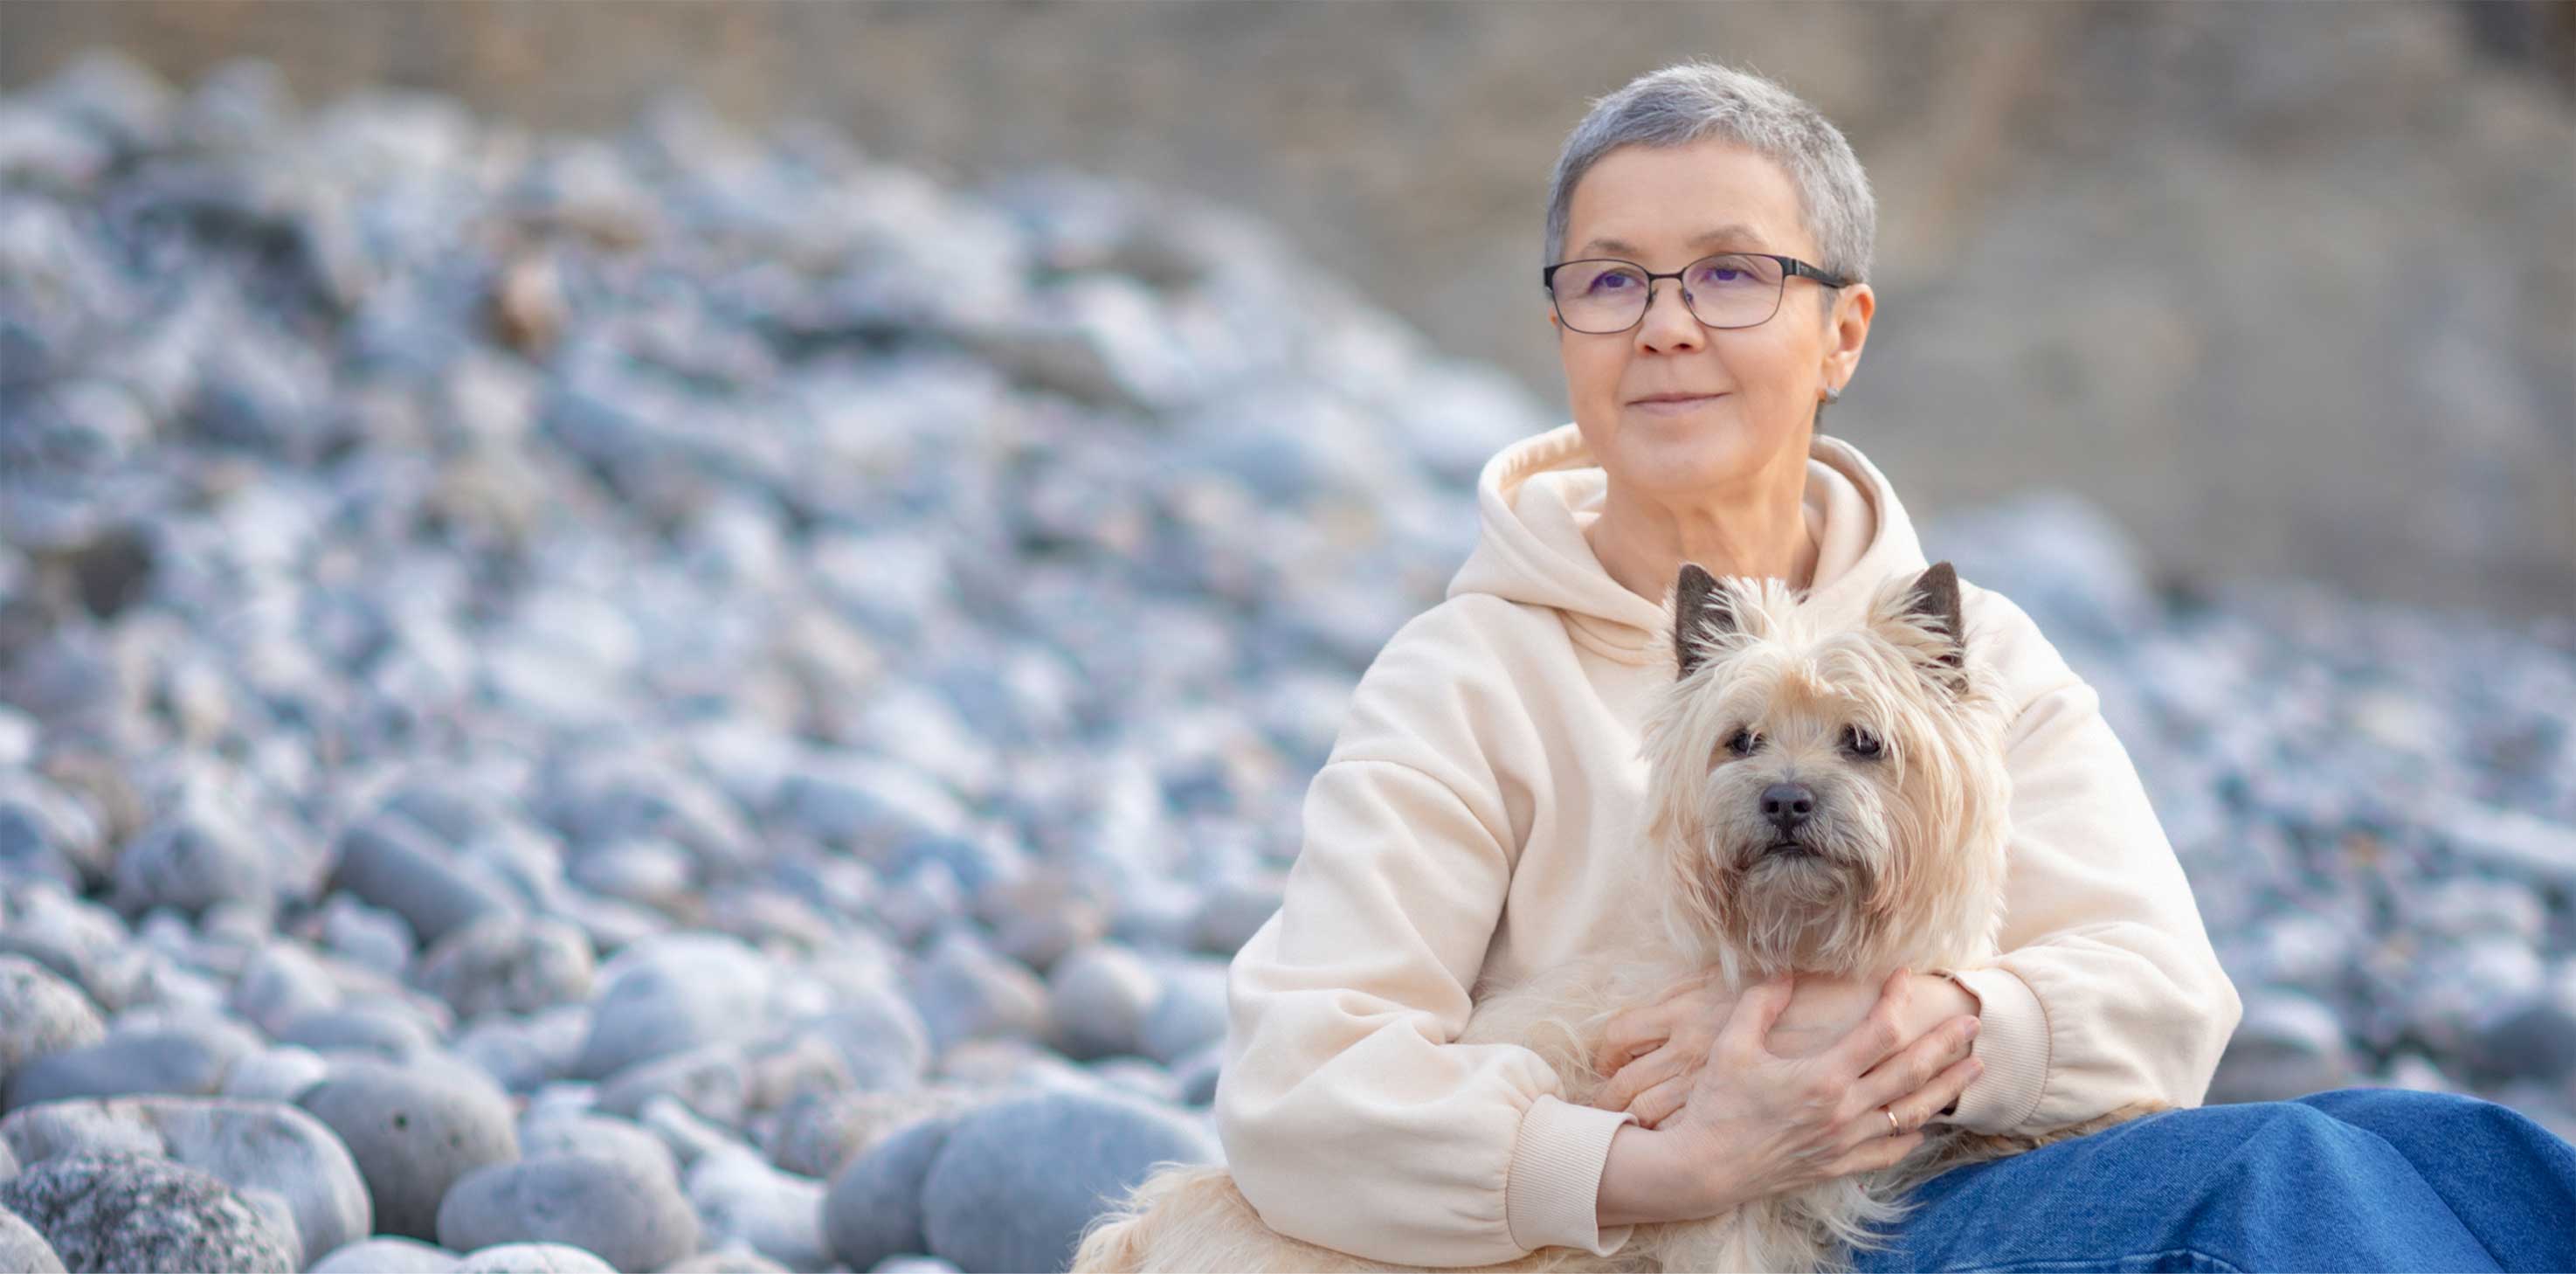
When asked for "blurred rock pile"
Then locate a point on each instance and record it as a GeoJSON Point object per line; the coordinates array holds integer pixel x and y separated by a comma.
{"type": "Point", "coordinates": [688, 701]}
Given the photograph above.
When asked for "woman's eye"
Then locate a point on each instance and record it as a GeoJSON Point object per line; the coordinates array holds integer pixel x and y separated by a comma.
{"type": "Point", "coordinates": [1741, 744]}
{"type": "Point", "coordinates": [1861, 741]}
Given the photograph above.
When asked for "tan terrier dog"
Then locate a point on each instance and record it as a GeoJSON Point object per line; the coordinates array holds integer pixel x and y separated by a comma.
{"type": "Point", "coordinates": [1887, 741]}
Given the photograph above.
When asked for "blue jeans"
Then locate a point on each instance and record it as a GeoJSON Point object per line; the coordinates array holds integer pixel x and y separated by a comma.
{"type": "Point", "coordinates": [2352, 1179]}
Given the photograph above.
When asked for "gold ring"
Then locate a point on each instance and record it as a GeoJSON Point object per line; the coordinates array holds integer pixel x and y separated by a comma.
{"type": "Point", "coordinates": [1894, 1129]}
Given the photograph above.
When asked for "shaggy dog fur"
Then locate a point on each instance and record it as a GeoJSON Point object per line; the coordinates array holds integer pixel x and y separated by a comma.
{"type": "Point", "coordinates": [1901, 864]}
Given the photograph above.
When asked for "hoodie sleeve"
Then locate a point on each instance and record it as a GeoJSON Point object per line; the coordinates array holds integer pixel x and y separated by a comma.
{"type": "Point", "coordinates": [1349, 1117]}
{"type": "Point", "coordinates": [2107, 990]}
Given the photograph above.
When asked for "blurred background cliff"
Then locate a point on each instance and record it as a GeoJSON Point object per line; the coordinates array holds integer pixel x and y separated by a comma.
{"type": "Point", "coordinates": [2287, 288]}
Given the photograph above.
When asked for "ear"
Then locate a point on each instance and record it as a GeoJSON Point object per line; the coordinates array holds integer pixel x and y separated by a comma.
{"type": "Point", "coordinates": [1934, 604]}
{"type": "Point", "coordinates": [1699, 605]}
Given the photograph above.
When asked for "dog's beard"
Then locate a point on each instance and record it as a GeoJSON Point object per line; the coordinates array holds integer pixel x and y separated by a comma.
{"type": "Point", "coordinates": [1793, 909]}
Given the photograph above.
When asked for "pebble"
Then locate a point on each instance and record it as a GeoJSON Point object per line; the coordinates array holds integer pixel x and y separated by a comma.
{"type": "Point", "coordinates": [385, 1256]}
{"type": "Point", "coordinates": [135, 1212]}
{"type": "Point", "coordinates": [873, 1209]}
{"type": "Point", "coordinates": [627, 1212]}
{"type": "Point", "coordinates": [413, 1133]}
{"type": "Point", "coordinates": [278, 1158]}
{"type": "Point", "coordinates": [1015, 1181]}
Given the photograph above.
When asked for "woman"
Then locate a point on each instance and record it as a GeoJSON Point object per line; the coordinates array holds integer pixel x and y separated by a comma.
{"type": "Point", "coordinates": [1708, 239]}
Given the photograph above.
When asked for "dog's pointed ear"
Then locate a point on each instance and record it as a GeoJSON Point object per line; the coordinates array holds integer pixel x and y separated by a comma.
{"type": "Point", "coordinates": [1699, 606]}
{"type": "Point", "coordinates": [1934, 604]}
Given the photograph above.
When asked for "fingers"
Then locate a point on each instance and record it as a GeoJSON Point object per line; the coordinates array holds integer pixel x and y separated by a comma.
{"type": "Point", "coordinates": [1917, 1064]}
{"type": "Point", "coordinates": [1876, 1153]}
{"type": "Point", "coordinates": [1941, 1094]}
{"type": "Point", "coordinates": [1663, 1101]}
{"type": "Point", "coordinates": [1629, 1036]}
{"type": "Point", "coordinates": [1877, 1035]}
{"type": "Point", "coordinates": [1750, 1022]}
{"type": "Point", "coordinates": [1638, 1076]}
{"type": "Point", "coordinates": [1914, 1110]}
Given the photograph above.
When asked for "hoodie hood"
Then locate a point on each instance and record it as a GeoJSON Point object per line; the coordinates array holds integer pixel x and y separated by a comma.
{"type": "Point", "coordinates": [1536, 497]}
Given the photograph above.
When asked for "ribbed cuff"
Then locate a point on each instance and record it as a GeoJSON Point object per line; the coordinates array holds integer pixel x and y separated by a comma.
{"type": "Point", "coordinates": [2012, 1041]}
{"type": "Point", "coordinates": [1553, 1193]}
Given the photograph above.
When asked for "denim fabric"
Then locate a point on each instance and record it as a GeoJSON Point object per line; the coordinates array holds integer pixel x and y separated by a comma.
{"type": "Point", "coordinates": [2352, 1179]}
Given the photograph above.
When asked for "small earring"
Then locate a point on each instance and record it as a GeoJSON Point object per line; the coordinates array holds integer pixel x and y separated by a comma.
{"type": "Point", "coordinates": [1833, 395]}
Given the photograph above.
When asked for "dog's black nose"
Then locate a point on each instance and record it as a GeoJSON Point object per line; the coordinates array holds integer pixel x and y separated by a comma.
{"type": "Point", "coordinates": [1787, 804]}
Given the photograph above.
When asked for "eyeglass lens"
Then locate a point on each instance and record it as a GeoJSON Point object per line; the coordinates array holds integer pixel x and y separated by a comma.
{"type": "Point", "coordinates": [1727, 290]}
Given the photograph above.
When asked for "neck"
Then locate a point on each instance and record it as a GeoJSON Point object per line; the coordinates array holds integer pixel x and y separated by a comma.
{"type": "Point", "coordinates": [1756, 527]}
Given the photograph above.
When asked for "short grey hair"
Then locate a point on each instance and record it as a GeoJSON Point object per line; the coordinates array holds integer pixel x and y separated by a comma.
{"type": "Point", "coordinates": [1688, 101]}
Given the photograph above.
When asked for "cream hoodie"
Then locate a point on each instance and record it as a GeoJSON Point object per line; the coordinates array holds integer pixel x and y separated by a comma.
{"type": "Point", "coordinates": [1485, 779]}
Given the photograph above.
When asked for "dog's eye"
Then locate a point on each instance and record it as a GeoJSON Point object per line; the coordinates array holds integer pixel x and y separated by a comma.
{"type": "Point", "coordinates": [1741, 744]}
{"type": "Point", "coordinates": [1861, 742]}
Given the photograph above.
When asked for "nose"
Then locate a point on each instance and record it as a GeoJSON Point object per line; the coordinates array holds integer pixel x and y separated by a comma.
{"type": "Point", "coordinates": [1787, 804]}
{"type": "Point", "coordinates": [1665, 326]}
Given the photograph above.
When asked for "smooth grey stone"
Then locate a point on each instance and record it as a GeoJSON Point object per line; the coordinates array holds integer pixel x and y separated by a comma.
{"type": "Point", "coordinates": [384, 1255]}
{"type": "Point", "coordinates": [598, 1136]}
{"type": "Point", "coordinates": [1230, 913]}
{"type": "Point", "coordinates": [965, 990]}
{"type": "Point", "coordinates": [193, 860]}
{"type": "Point", "coordinates": [819, 1134]}
{"type": "Point", "coordinates": [1194, 1077]}
{"type": "Point", "coordinates": [23, 1246]}
{"type": "Point", "coordinates": [630, 1214]}
{"type": "Point", "coordinates": [389, 861]}
{"type": "Point", "coordinates": [373, 937]}
{"type": "Point", "coordinates": [879, 1034]}
{"type": "Point", "coordinates": [673, 993]}
{"type": "Point", "coordinates": [258, 1148]}
{"type": "Point", "coordinates": [130, 1212]}
{"type": "Point", "coordinates": [1190, 1014]}
{"type": "Point", "coordinates": [604, 798]}
{"type": "Point", "coordinates": [783, 1072]}
{"type": "Point", "coordinates": [873, 1207]}
{"type": "Point", "coordinates": [2287, 1045]}
{"type": "Point", "coordinates": [2535, 1040]}
{"type": "Point", "coordinates": [910, 1263]}
{"type": "Point", "coordinates": [712, 1081]}
{"type": "Point", "coordinates": [689, 1137]}
{"type": "Point", "coordinates": [1097, 999]}
{"type": "Point", "coordinates": [741, 1198]}
{"type": "Point", "coordinates": [531, 1258]}
{"type": "Point", "coordinates": [45, 830]}
{"type": "Point", "coordinates": [275, 1074]}
{"type": "Point", "coordinates": [1017, 1180]}
{"type": "Point", "coordinates": [41, 1012]}
{"type": "Point", "coordinates": [124, 1063]}
{"type": "Point", "coordinates": [413, 1133]}
{"type": "Point", "coordinates": [730, 1261]}
{"type": "Point", "coordinates": [389, 1035]}
{"type": "Point", "coordinates": [649, 873]}
{"type": "Point", "coordinates": [525, 1054]}
{"type": "Point", "coordinates": [1141, 1076]}
{"type": "Point", "coordinates": [281, 982]}
{"type": "Point", "coordinates": [509, 964]}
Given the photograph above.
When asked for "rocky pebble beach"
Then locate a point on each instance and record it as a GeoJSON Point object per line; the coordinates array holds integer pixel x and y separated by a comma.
{"type": "Point", "coordinates": [701, 702]}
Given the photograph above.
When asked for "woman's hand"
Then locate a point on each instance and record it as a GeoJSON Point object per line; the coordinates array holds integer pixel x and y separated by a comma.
{"type": "Point", "coordinates": [1653, 1054]}
{"type": "Point", "coordinates": [1761, 1123]}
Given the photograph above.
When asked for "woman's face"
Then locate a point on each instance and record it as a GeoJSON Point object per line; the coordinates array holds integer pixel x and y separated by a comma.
{"type": "Point", "coordinates": [1650, 205]}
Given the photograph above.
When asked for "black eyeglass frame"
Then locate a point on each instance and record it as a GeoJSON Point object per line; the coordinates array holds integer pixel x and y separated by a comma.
{"type": "Point", "coordinates": [1790, 268]}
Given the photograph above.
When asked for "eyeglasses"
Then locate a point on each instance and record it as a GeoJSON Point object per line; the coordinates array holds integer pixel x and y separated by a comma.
{"type": "Point", "coordinates": [1731, 289]}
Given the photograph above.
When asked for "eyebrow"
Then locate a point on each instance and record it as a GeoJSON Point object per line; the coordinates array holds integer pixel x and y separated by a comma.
{"type": "Point", "coordinates": [1738, 231]}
